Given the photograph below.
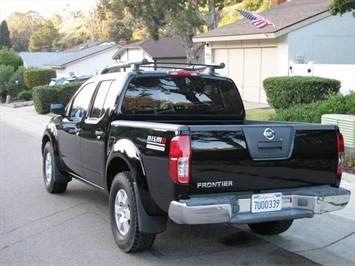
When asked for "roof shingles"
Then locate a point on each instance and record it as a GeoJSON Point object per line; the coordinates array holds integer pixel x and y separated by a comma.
{"type": "Point", "coordinates": [283, 16]}
{"type": "Point", "coordinates": [72, 57]}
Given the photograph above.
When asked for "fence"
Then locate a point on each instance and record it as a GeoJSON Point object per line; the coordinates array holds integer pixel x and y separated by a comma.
{"type": "Point", "coordinates": [344, 73]}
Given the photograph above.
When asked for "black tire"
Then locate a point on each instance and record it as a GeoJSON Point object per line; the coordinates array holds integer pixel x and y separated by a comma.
{"type": "Point", "coordinates": [124, 218]}
{"type": "Point", "coordinates": [271, 228]}
{"type": "Point", "coordinates": [51, 173]}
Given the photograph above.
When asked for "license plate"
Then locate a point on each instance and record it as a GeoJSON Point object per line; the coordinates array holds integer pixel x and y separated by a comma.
{"type": "Point", "coordinates": [266, 202]}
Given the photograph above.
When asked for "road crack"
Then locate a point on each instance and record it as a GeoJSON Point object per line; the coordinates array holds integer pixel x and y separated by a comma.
{"type": "Point", "coordinates": [328, 245]}
{"type": "Point", "coordinates": [17, 235]}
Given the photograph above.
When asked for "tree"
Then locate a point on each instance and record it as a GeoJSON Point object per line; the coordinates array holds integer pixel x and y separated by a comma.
{"type": "Point", "coordinates": [4, 35]}
{"type": "Point", "coordinates": [183, 19]}
{"type": "Point", "coordinates": [22, 26]}
{"type": "Point", "coordinates": [342, 6]}
{"type": "Point", "coordinates": [110, 22]}
{"type": "Point", "coordinates": [44, 39]}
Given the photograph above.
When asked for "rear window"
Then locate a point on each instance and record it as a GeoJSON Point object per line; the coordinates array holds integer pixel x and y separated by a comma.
{"type": "Point", "coordinates": [181, 95]}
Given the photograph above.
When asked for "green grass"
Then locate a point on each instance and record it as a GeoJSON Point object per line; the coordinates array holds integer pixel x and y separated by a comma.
{"type": "Point", "coordinates": [263, 114]}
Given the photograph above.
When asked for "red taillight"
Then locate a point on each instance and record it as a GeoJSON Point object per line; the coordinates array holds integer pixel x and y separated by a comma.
{"type": "Point", "coordinates": [183, 73]}
{"type": "Point", "coordinates": [179, 159]}
{"type": "Point", "coordinates": [341, 153]}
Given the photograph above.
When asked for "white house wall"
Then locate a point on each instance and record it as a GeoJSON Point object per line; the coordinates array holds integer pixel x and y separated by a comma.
{"type": "Point", "coordinates": [327, 41]}
{"type": "Point", "coordinates": [89, 66]}
{"type": "Point", "coordinates": [134, 55]}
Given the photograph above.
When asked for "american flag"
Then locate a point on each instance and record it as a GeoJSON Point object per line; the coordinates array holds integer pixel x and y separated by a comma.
{"type": "Point", "coordinates": [256, 19]}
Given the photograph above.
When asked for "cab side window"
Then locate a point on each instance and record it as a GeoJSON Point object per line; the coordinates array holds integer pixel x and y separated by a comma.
{"type": "Point", "coordinates": [106, 98]}
{"type": "Point", "coordinates": [112, 96]}
{"type": "Point", "coordinates": [98, 107]}
{"type": "Point", "coordinates": [82, 100]}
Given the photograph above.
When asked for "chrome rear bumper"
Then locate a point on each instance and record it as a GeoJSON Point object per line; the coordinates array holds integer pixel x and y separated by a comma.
{"type": "Point", "coordinates": [235, 208]}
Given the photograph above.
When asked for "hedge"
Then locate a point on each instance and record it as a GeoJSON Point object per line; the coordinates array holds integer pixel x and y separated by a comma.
{"type": "Point", "coordinates": [286, 92]}
{"type": "Point", "coordinates": [44, 96]}
{"type": "Point", "coordinates": [25, 95]}
{"type": "Point", "coordinates": [312, 112]}
{"type": "Point", "coordinates": [38, 77]}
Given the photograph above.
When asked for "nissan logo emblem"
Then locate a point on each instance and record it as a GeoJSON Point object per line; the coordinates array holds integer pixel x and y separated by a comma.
{"type": "Point", "coordinates": [269, 134]}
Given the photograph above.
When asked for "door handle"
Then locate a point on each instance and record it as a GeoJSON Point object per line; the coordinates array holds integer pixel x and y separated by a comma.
{"type": "Point", "coordinates": [74, 130]}
{"type": "Point", "coordinates": [99, 133]}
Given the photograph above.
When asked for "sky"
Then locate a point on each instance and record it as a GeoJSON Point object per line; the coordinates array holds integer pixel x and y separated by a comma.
{"type": "Point", "coordinates": [43, 7]}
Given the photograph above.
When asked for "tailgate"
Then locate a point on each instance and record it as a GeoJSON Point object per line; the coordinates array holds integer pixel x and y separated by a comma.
{"type": "Point", "coordinates": [262, 156]}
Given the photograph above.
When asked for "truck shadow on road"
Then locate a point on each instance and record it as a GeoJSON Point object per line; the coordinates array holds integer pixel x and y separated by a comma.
{"type": "Point", "coordinates": [207, 244]}
{"type": "Point", "coordinates": [234, 245]}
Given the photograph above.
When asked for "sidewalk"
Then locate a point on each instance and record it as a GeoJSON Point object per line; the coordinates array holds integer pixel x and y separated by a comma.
{"type": "Point", "coordinates": [252, 105]}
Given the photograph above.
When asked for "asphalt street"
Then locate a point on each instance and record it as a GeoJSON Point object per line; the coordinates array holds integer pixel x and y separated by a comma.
{"type": "Point", "coordinates": [56, 230]}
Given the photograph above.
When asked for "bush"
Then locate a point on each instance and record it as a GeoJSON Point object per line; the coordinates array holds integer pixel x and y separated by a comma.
{"type": "Point", "coordinates": [38, 77]}
{"type": "Point", "coordinates": [9, 57]}
{"type": "Point", "coordinates": [16, 84]}
{"type": "Point", "coordinates": [5, 74]}
{"type": "Point", "coordinates": [313, 112]}
{"type": "Point", "coordinates": [44, 96]}
{"type": "Point", "coordinates": [286, 92]}
{"type": "Point", "coordinates": [25, 95]}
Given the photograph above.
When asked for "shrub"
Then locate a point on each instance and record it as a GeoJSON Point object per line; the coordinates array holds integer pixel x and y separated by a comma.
{"type": "Point", "coordinates": [313, 112]}
{"type": "Point", "coordinates": [5, 74]}
{"type": "Point", "coordinates": [286, 92]}
{"type": "Point", "coordinates": [38, 77]}
{"type": "Point", "coordinates": [16, 84]}
{"type": "Point", "coordinates": [25, 95]}
{"type": "Point", "coordinates": [9, 57]}
{"type": "Point", "coordinates": [43, 96]}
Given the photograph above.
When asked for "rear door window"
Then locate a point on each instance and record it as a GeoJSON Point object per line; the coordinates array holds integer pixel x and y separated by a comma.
{"type": "Point", "coordinates": [81, 102]}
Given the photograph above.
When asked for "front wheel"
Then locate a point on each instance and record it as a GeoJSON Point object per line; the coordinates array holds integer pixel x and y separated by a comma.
{"type": "Point", "coordinates": [271, 228]}
{"type": "Point", "coordinates": [51, 173]}
{"type": "Point", "coordinates": [124, 217]}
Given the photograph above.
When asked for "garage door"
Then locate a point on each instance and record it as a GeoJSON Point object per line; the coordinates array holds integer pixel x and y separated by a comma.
{"type": "Point", "coordinates": [248, 67]}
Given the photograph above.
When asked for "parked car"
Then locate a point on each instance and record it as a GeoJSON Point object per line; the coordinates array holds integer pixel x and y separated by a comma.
{"type": "Point", "coordinates": [175, 144]}
{"type": "Point", "coordinates": [59, 81]}
{"type": "Point", "coordinates": [56, 81]}
{"type": "Point", "coordinates": [77, 79]}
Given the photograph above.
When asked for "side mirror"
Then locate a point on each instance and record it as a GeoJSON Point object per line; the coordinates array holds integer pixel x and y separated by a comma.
{"type": "Point", "coordinates": [57, 108]}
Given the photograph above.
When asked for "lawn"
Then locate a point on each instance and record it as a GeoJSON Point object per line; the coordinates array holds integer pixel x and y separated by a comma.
{"type": "Point", "coordinates": [263, 114]}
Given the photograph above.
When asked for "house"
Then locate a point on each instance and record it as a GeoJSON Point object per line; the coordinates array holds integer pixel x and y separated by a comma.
{"type": "Point", "coordinates": [306, 40]}
{"type": "Point", "coordinates": [86, 61]}
{"type": "Point", "coordinates": [83, 59]}
{"type": "Point", "coordinates": [165, 49]}
{"type": "Point", "coordinates": [39, 59]}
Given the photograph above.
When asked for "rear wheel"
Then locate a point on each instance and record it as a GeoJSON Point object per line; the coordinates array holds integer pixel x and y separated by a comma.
{"type": "Point", "coordinates": [51, 173]}
{"type": "Point", "coordinates": [271, 228]}
{"type": "Point", "coordinates": [124, 217]}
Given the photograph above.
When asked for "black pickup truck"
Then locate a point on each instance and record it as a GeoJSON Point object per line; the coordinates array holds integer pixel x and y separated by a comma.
{"type": "Point", "coordinates": [172, 142]}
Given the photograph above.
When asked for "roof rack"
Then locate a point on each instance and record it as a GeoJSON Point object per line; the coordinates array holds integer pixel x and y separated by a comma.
{"type": "Point", "coordinates": [140, 65]}
{"type": "Point", "coordinates": [133, 65]}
